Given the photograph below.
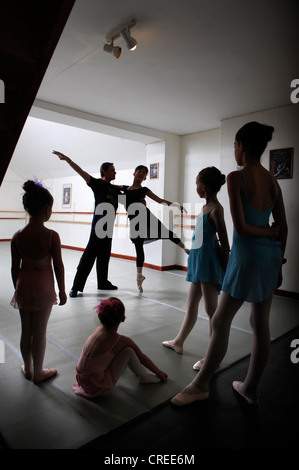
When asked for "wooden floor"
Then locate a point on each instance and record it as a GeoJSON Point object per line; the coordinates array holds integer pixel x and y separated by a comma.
{"type": "Point", "coordinates": [51, 416]}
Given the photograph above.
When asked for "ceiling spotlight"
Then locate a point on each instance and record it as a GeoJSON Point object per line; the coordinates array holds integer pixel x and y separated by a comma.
{"type": "Point", "coordinates": [131, 42]}
{"type": "Point", "coordinates": [114, 50]}
{"type": "Point", "coordinates": [123, 31]}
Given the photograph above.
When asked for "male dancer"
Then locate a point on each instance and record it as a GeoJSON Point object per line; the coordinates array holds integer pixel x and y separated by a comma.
{"type": "Point", "coordinates": [99, 244]}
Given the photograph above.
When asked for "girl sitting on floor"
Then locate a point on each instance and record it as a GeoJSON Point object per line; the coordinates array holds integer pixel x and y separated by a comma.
{"type": "Point", "coordinates": [106, 353]}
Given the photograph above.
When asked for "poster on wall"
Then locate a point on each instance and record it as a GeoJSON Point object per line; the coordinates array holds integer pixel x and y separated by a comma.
{"type": "Point", "coordinates": [154, 171]}
{"type": "Point", "coordinates": [281, 163]}
{"type": "Point", "coordinates": [66, 195]}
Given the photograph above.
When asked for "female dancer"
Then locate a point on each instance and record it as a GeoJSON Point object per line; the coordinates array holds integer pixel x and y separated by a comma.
{"type": "Point", "coordinates": [205, 271]}
{"type": "Point", "coordinates": [151, 228]}
{"type": "Point", "coordinates": [106, 353]}
{"type": "Point", "coordinates": [254, 267]}
{"type": "Point", "coordinates": [33, 249]}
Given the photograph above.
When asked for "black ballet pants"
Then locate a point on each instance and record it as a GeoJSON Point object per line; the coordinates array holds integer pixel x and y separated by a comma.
{"type": "Point", "coordinates": [98, 249]}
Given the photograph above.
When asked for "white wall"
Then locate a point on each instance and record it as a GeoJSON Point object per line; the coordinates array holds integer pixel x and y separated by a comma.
{"type": "Point", "coordinates": [198, 151]}
{"type": "Point", "coordinates": [11, 209]}
{"type": "Point", "coordinates": [180, 159]}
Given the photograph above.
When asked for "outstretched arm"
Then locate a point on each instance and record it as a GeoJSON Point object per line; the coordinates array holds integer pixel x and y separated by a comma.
{"type": "Point", "coordinates": [164, 201]}
{"type": "Point", "coordinates": [74, 165]}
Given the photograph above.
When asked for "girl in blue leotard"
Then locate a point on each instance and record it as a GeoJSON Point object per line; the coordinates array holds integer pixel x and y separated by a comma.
{"type": "Point", "coordinates": [205, 271]}
{"type": "Point", "coordinates": [254, 267]}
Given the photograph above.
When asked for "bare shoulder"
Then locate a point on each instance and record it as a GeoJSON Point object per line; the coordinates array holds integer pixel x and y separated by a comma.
{"type": "Point", "coordinates": [234, 177]}
{"type": "Point", "coordinates": [55, 236]}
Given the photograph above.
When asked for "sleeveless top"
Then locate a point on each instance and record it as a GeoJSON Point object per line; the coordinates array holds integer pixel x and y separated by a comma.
{"type": "Point", "coordinates": [203, 262]}
{"type": "Point", "coordinates": [93, 377]}
{"type": "Point", "coordinates": [35, 283]}
{"type": "Point", "coordinates": [144, 225]}
{"type": "Point", "coordinates": [254, 263]}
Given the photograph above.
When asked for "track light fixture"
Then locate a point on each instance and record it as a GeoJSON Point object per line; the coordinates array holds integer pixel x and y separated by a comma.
{"type": "Point", "coordinates": [114, 50]}
{"type": "Point", "coordinates": [131, 42]}
{"type": "Point", "coordinates": [123, 31]}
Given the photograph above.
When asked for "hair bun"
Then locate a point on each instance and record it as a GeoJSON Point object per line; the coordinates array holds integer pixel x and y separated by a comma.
{"type": "Point", "coordinates": [269, 131]}
{"type": "Point", "coordinates": [110, 311]}
{"type": "Point", "coordinates": [29, 186]}
{"type": "Point", "coordinates": [223, 179]}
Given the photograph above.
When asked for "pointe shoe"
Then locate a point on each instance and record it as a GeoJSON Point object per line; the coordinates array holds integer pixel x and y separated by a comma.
{"type": "Point", "coordinates": [251, 401]}
{"type": "Point", "coordinates": [140, 279]}
{"type": "Point", "coordinates": [177, 349]}
{"type": "Point", "coordinates": [198, 365]}
{"type": "Point", "coordinates": [45, 376]}
{"type": "Point", "coordinates": [183, 399]}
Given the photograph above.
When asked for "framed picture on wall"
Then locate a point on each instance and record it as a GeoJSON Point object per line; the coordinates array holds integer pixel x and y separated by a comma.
{"type": "Point", "coordinates": [66, 195]}
{"type": "Point", "coordinates": [154, 171]}
{"type": "Point", "coordinates": [281, 163]}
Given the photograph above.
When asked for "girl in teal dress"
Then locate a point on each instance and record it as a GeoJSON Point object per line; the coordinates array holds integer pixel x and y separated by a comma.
{"type": "Point", "coordinates": [205, 270]}
{"type": "Point", "coordinates": [254, 268]}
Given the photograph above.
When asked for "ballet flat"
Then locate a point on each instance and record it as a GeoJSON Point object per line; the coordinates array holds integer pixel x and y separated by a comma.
{"type": "Point", "coordinates": [183, 399]}
{"type": "Point", "coordinates": [198, 365]}
{"type": "Point", "coordinates": [177, 349]}
{"type": "Point", "coordinates": [251, 401]}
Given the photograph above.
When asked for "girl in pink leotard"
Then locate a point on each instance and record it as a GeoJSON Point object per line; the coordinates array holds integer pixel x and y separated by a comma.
{"type": "Point", "coordinates": [106, 353]}
{"type": "Point", "coordinates": [33, 249]}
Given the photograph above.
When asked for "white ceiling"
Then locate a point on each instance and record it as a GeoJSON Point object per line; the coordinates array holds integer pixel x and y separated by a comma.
{"type": "Point", "coordinates": [197, 62]}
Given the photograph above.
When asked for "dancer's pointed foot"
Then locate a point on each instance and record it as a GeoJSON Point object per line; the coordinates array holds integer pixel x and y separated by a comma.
{"type": "Point", "coordinates": [45, 375]}
{"type": "Point", "coordinates": [27, 375]}
{"type": "Point", "coordinates": [170, 344]}
{"type": "Point", "coordinates": [185, 397]}
{"type": "Point", "coordinates": [140, 279]}
{"type": "Point", "coordinates": [237, 386]}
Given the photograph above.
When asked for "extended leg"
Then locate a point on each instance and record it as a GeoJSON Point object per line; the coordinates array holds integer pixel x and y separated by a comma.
{"type": "Point", "coordinates": [210, 297]}
{"type": "Point", "coordinates": [189, 321]}
{"type": "Point", "coordinates": [128, 357]}
{"type": "Point", "coordinates": [221, 323]}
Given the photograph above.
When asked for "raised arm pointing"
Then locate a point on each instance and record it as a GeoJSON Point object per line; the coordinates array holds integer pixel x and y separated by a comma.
{"type": "Point", "coordinates": [84, 174]}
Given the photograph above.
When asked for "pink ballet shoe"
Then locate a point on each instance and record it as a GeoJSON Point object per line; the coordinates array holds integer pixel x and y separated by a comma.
{"type": "Point", "coordinates": [251, 401]}
{"type": "Point", "coordinates": [183, 399]}
{"type": "Point", "coordinates": [177, 349]}
{"type": "Point", "coordinates": [140, 279]}
{"type": "Point", "coordinates": [45, 376]}
{"type": "Point", "coordinates": [198, 365]}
